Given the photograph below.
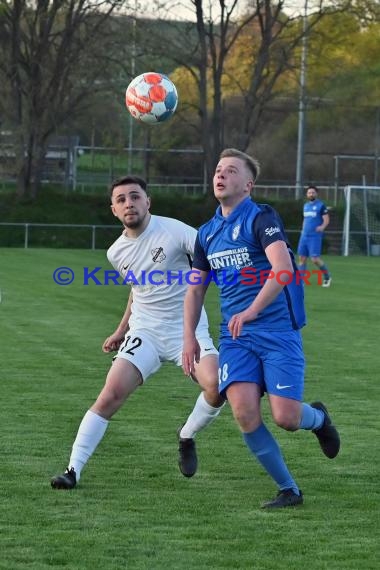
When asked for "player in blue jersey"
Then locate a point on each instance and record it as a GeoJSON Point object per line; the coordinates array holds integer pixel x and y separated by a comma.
{"type": "Point", "coordinates": [243, 248]}
{"type": "Point", "coordinates": [315, 220]}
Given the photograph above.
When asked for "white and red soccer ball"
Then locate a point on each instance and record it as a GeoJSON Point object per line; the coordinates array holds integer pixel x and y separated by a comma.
{"type": "Point", "coordinates": [151, 98]}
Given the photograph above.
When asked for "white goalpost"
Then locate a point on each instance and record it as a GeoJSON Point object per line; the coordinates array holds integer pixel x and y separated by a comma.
{"type": "Point", "coordinates": [361, 231]}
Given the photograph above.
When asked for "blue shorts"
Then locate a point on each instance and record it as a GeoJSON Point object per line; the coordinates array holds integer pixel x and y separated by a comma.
{"type": "Point", "coordinates": [310, 246]}
{"type": "Point", "coordinates": [272, 359]}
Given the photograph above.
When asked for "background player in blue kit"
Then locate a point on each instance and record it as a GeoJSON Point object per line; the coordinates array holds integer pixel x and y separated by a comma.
{"type": "Point", "coordinates": [315, 220]}
{"type": "Point", "coordinates": [260, 346]}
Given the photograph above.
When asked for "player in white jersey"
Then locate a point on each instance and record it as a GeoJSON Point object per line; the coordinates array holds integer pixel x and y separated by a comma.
{"type": "Point", "coordinates": [153, 254]}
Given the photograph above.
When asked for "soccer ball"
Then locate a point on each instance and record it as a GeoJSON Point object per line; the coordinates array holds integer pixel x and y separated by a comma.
{"type": "Point", "coordinates": [151, 98]}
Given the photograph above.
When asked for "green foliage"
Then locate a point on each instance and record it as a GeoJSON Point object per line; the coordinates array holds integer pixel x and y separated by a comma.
{"type": "Point", "coordinates": [132, 508]}
{"type": "Point", "coordinates": [335, 69]}
{"type": "Point", "coordinates": [54, 207]}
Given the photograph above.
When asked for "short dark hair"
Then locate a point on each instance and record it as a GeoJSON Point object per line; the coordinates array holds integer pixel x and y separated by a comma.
{"type": "Point", "coordinates": [250, 161]}
{"type": "Point", "coordinates": [312, 187]}
{"type": "Point", "coordinates": [129, 179]}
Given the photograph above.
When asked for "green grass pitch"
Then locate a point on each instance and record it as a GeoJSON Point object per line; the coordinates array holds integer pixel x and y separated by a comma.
{"type": "Point", "coordinates": [133, 509]}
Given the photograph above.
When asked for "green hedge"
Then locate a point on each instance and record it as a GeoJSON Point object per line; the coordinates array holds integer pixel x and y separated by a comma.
{"type": "Point", "coordinates": [56, 207]}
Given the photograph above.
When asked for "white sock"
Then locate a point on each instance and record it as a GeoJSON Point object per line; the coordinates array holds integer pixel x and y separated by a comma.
{"type": "Point", "coordinates": [90, 433]}
{"type": "Point", "coordinates": [202, 415]}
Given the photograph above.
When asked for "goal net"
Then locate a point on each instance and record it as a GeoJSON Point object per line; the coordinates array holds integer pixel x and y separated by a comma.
{"type": "Point", "coordinates": [361, 231]}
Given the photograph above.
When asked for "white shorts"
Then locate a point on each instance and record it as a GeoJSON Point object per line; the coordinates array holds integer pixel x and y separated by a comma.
{"type": "Point", "coordinates": [147, 350]}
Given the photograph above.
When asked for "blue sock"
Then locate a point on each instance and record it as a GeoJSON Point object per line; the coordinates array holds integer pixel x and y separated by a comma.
{"type": "Point", "coordinates": [326, 274]}
{"type": "Point", "coordinates": [311, 418]}
{"type": "Point", "coordinates": [302, 266]}
{"type": "Point", "coordinates": [266, 450]}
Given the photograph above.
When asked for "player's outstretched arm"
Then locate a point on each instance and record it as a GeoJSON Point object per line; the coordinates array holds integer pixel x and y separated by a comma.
{"type": "Point", "coordinates": [193, 303]}
{"type": "Point", "coordinates": [113, 342]}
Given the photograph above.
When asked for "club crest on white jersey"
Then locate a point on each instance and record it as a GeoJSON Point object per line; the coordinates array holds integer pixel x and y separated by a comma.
{"type": "Point", "coordinates": [158, 254]}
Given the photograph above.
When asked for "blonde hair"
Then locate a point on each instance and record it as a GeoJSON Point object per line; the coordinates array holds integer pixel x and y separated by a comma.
{"type": "Point", "coordinates": [251, 162]}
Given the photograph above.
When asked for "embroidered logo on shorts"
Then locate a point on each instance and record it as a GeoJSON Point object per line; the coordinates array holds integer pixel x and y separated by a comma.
{"type": "Point", "coordinates": [235, 232]}
{"type": "Point", "coordinates": [158, 254]}
{"type": "Point", "coordinates": [283, 387]}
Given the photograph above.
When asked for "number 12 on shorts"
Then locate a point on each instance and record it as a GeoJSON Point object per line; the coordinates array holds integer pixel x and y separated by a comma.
{"type": "Point", "coordinates": [130, 344]}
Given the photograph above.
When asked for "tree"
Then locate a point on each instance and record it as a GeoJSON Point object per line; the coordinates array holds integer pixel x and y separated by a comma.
{"type": "Point", "coordinates": [339, 73]}
{"type": "Point", "coordinates": [270, 35]}
{"type": "Point", "coordinates": [53, 59]}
